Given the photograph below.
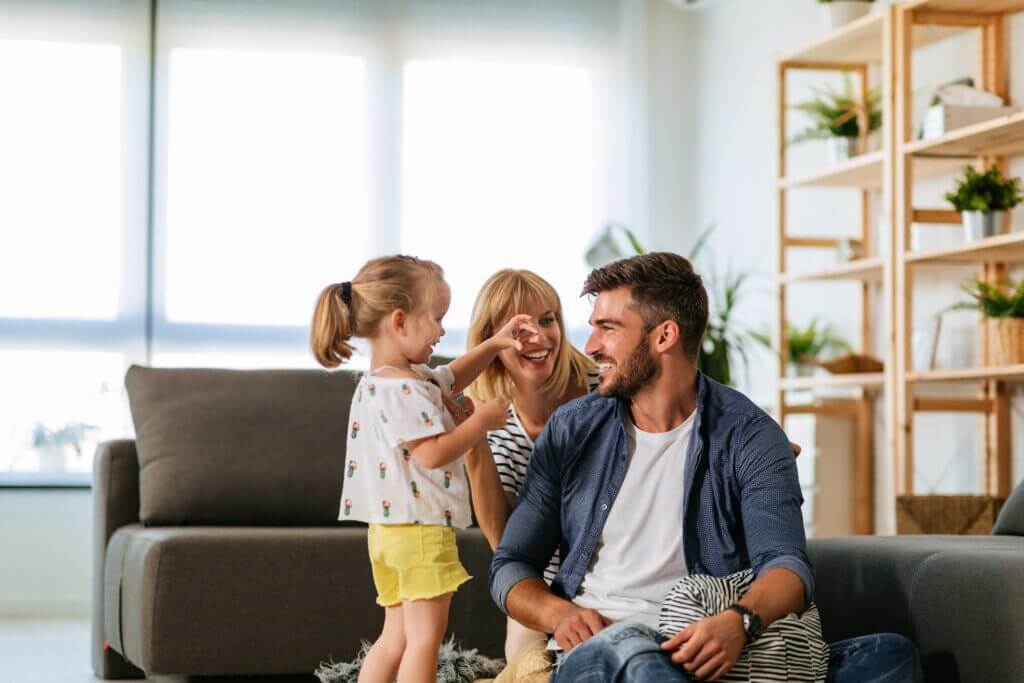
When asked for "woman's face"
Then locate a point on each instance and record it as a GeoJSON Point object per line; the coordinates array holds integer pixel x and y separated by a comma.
{"type": "Point", "coordinates": [532, 366]}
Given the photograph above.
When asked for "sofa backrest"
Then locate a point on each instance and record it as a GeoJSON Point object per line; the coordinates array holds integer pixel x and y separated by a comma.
{"type": "Point", "coordinates": [1010, 521]}
{"type": "Point", "coordinates": [259, 447]}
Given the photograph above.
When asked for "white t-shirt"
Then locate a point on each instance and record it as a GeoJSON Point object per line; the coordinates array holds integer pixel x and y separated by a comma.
{"type": "Point", "coordinates": [640, 553]}
{"type": "Point", "coordinates": [383, 484]}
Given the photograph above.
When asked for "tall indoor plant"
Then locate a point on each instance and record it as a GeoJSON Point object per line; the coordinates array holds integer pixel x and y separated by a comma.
{"type": "Point", "coordinates": [842, 118]}
{"type": "Point", "coordinates": [981, 198]}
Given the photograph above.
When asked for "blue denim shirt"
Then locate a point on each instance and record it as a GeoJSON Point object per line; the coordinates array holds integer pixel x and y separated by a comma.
{"type": "Point", "coordinates": [741, 496]}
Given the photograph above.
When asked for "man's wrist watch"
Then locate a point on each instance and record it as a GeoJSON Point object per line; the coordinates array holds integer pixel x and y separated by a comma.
{"type": "Point", "coordinates": [752, 624]}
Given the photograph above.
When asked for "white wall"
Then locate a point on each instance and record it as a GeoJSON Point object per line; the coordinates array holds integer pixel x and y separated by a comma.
{"type": "Point", "coordinates": [731, 179]}
{"type": "Point", "coordinates": [46, 541]}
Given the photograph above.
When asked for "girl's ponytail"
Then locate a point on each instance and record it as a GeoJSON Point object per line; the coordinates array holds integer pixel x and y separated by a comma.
{"type": "Point", "coordinates": [333, 326]}
{"type": "Point", "coordinates": [355, 309]}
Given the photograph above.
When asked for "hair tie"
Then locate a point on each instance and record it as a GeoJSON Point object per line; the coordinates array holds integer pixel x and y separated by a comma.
{"type": "Point", "coordinates": [346, 292]}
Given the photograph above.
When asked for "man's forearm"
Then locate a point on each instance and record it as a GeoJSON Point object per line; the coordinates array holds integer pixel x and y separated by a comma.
{"type": "Point", "coordinates": [776, 593]}
{"type": "Point", "coordinates": [532, 604]}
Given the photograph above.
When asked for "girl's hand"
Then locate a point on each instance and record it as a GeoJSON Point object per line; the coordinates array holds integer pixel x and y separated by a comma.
{"type": "Point", "coordinates": [512, 333]}
{"type": "Point", "coordinates": [493, 414]}
{"type": "Point", "coordinates": [459, 411]}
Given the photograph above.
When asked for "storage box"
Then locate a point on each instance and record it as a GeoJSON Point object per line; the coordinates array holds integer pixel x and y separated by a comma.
{"type": "Point", "coordinates": [947, 514]}
{"type": "Point", "coordinates": [942, 118]}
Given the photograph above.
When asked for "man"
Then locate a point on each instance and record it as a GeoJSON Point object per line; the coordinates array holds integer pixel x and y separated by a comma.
{"type": "Point", "coordinates": [662, 473]}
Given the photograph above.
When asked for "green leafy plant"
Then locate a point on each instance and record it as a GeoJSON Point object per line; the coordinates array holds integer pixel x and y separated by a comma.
{"type": "Point", "coordinates": [808, 343]}
{"type": "Point", "coordinates": [70, 434]}
{"type": "Point", "coordinates": [837, 114]}
{"type": "Point", "coordinates": [993, 301]}
{"type": "Point", "coordinates": [724, 340]}
{"type": "Point", "coordinates": [987, 191]}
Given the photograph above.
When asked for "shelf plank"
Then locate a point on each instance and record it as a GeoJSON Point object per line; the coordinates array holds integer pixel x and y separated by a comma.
{"type": "Point", "coordinates": [858, 379]}
{"type": "Point", "coordinates": [1008, 248]}
{"type": "Point", "coordinates": [1002, 136]}
{"type": "Point", "coordinates": [967, 6]}
{"type": "Point", "coordinates": [865, 172]}
{"type": "Point", "coordinates": [864, 270]}
{"type": "Point", "coordinates": [861, 171]}
{"type": "Point", "coordinates": [1002, 372]}
{"type": "Point", "coordinates": [859, 42]}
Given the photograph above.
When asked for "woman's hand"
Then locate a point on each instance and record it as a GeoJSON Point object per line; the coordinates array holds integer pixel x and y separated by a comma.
{"type": "Point", "coordinates": [493, 414]}
{"type": "Point", "coordinates": [512, 333]}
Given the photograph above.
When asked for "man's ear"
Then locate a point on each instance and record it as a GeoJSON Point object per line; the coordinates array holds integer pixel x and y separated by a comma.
{"type": "Point", "coordinates": [666, 335]}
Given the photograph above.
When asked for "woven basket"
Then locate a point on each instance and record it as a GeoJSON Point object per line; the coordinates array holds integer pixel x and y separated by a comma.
{"type": "Point", "coordinates": [851, 362]}
{"type": "Point", "coordinates": [947, 514]}
{"type": "Point", "coordinates": [1006, 341]}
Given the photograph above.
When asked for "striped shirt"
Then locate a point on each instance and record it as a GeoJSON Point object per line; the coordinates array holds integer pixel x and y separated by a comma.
{"type": "Point", "coordinates": [790, 649]}
{"type": "Point", "coordinates": [511, 448]}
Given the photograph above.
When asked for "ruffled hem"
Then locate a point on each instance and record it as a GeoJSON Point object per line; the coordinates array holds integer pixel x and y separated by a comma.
{"type": "Point", "coordinates": [428, 595]}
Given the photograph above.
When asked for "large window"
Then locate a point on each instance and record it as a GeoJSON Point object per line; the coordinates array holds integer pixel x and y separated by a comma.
{"type": "Point", "coordinates": [178, 187]}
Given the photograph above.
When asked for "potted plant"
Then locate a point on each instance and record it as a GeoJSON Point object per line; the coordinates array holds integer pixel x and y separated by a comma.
{"type": "Point", "coordinates": [806, 345]}
{"type": "Point", "coordinates": [1003, 311]}
{"type": "Point", "coordinates": [981, 199]}
{"type": "Point", "coordinates": [841, 12]}
{"type": "Point", "coordinates": [51, 443]}
{"type": "Point", "coordinates": [841, 118]}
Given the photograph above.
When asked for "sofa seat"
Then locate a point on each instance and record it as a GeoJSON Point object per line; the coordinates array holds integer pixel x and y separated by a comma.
{"type": "Point", "coordinates": [959, 598]}
{"type": "Point", "coordinates": [261, 600]}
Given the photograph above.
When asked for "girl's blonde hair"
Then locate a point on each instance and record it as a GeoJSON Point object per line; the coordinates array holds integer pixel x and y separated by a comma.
{"type": "Point", "coordinates": [381, 286]}
{"type": "Point", "coordinates": [507, 293]}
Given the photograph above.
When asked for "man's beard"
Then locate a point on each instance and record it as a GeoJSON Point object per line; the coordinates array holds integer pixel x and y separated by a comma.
{"type": "Point", "coordinates": [636, 373]}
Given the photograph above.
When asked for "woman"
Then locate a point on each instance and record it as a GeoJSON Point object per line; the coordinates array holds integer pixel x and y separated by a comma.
{"type": "Point", "coordinates": [548, 372]}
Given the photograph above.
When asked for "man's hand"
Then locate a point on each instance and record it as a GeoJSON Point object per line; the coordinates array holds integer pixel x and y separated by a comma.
{"type": "Point", "coordinates": [796, 448]}
{"type": "Point", "coordinates": [709, 648]}
{"type": "Point", "coordinates": [577, 625]}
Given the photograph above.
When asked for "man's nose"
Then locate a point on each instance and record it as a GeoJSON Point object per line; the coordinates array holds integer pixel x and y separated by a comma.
{"type": "Point", "coordinates": [592, 346]}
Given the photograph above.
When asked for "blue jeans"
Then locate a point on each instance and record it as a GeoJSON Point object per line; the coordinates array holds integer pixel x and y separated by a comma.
{"type": "Point", "coordinates": [631, 653]}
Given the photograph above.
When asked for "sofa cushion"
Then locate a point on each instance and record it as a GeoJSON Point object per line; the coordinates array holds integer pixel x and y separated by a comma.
{"type": "Point", "coordinates": [1010, 521]}
{"type": "Point", "coordinates": [262, 447]}
{"type": "Point", "coordinates": [220, 601]}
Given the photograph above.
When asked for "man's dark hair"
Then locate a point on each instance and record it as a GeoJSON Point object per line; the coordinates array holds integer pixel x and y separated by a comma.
{"type": "Point", "coordinates": [663, 287]}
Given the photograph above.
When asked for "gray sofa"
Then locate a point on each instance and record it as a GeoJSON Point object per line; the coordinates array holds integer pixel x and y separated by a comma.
{"type": "Point", "coordinates": [217, 552]}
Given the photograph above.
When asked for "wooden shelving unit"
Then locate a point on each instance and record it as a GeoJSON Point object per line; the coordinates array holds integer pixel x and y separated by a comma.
{"type": "Point", "coordinates": [987, 142]}
{"type": "Point", "coordinates": [887, 40]}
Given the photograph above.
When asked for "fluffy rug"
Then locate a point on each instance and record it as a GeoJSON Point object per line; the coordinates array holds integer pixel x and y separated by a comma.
{"type": "Point", "coordinates": [453, 666]}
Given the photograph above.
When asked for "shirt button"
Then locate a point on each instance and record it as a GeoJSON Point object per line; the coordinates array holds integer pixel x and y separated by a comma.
{"type": "Point", "coordinates": [604, 507]}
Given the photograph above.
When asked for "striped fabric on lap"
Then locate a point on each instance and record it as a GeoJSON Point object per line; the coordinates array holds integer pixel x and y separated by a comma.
{"type": "Point", "coordinates": [790, 649]}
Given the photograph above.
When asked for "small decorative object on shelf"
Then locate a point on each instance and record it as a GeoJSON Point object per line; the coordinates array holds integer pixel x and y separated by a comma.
{"type": "Point", "coordinates": [960, 104]}
{"type": "Point", "coordinates": [1004, 314]}
{"type": "Point", "coordinates": [838, 13]}
{"type": "Point", "coordinates": [841, 118]}
{"type": "Point", "coordinates": [851, 363]}
{"type": "Point", "coordinates": [806, 345]}
{"type": "Point", "coordinates": [981, 198]}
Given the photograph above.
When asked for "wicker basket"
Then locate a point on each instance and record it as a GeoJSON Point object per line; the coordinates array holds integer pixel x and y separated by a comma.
{"type": "Point", "coordinates": [850, 363]}
{"type": "Point", "coordinates": [947, 514]}
{"type": "Point", "coordinates": [1006, 341]}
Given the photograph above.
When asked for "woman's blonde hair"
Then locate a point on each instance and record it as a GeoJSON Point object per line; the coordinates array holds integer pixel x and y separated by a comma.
{"type": "Point", "coordinates": [507, 293]}
{"type": "Point", "coordinates": [381, 286]}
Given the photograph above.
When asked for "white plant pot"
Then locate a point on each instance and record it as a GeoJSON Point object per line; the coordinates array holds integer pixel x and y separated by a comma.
{"type": "Point", "coordinates": [799, 369]}
{"type": "Point", "coordinates": [842, 12]}
{"type": "Point", "coordinates": [52, 458]}
{"type": "Point", "coordinates": [841, 149]}
{"type": "Point", "coordinates": [980, 224]}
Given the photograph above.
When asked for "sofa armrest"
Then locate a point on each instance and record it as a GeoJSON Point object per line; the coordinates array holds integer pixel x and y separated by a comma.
{"type": "Point", "coordinates": [115, 495]}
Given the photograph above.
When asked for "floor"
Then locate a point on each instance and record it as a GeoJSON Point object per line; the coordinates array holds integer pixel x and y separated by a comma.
{"type": "Point", "coordinates": [46, 651]}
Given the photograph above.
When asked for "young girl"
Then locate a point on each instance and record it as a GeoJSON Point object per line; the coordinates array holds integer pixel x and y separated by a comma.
{"type": "Point", "coordinates": [404, 471]}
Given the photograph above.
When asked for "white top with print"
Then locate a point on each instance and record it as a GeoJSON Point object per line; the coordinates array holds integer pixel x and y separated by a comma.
{"type": "Point", "coordinates": [511, 448]}
{"type": "Point", "coordinates": [383, 484]}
